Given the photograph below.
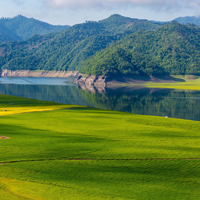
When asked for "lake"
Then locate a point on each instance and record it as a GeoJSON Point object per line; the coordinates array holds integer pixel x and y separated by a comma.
{"type": "Point", "coordinates": [145, 101]}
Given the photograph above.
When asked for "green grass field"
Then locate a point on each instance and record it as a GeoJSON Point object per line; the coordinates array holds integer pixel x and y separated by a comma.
{"type": "Point", "coordinates": [74, 152]}
{"type": "Point", "coordinates": [186, 83]}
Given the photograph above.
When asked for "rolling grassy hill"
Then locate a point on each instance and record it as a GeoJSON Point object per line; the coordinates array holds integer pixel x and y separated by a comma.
{"type": "Point", "coordinates": [86, 153]}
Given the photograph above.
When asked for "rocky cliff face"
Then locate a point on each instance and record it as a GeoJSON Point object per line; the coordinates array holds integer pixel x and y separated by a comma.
{"type": "Point", "coordinates": [91, 80]}
{"type": "Point", "coordinates": [92, 83]}
{"type": "Point", "coordinates": [28, 73]}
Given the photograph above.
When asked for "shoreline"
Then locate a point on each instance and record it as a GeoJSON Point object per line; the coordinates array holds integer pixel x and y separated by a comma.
{"type": "Point", "coordinates": [38, 73]}
{"type": "Point", "coordinates": [124, 80]}
{"type": "Point", "coordinates": [183, 82]}
{"type": "Point", "coordinates": [99, 83]}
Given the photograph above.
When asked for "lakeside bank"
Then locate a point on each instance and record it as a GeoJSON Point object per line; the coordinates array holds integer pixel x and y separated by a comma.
{"type": "Point", "coordinates": [188, 82]}
{"type": "Point", "coordinates": [99, 83]}
{"type": "Point", "coordinates": [38, 73]}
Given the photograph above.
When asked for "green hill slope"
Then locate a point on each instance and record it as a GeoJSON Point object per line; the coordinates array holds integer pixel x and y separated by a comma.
{"type": "Point", "coordinates": [172, 49]}
{"type": "Point", "coordinates": [68, 50]}
{"type": "Point", "coordinates": [26, 27]}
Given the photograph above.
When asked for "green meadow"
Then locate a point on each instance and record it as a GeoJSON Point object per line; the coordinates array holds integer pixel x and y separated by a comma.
{"type": "Point", "coordinates": [73, 152]}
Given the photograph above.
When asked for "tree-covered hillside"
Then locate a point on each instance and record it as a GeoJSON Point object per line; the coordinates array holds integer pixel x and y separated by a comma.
{"type": "Point", "coordinates": [69, 49]}
{"type": "Point", "coordinates": [172, 49]}
{"type": "Point", "coordinates": [7, 35]}
{"type": "Point", "coordinates": [26, 27]}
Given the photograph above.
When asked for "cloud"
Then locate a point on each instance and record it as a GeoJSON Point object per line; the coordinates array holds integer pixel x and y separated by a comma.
{"type": "Point", "coordinates": [113, 4]}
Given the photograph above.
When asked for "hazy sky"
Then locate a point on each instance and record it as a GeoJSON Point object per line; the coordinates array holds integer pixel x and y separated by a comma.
{"type": "Point", "coordinates": [77, 11]}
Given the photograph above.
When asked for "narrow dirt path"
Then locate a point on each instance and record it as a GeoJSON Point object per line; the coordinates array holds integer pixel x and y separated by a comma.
{"type": "Point", "coordinates": [4, 138]}
{"type": "Point", "coordinates": [12, 194]}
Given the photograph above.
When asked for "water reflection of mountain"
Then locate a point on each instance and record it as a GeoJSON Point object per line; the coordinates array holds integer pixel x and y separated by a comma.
{"type": "Point", "coordinates": [161, 102]}
{"type": "Point", "coordinates": [60, 94]}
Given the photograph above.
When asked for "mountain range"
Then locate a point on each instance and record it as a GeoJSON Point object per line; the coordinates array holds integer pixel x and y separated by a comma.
{"type": "Point", "coordinates": [116, 45]}
{"type": "Point", "coordinates": [69, 49]}
{"type": "Point", "coordinates": [182, 20]}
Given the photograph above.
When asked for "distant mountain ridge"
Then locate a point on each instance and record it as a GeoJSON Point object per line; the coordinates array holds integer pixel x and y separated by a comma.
{"type": "Point", "coordinates": [21, 28]}
{"type": "Point", "coordinates": [182, 20]}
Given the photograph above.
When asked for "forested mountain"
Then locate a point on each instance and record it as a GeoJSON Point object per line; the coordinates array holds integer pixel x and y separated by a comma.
{"type": "Point", "coordinates": [26, 27]}
{"type": "Point", "coordinates": [117, 45]}
{"type": "Point", "coordinates": [172, 49]}
{"type": "Point", "coordinates": [69, 49]}
{"type": "Point", "coordinates": [188, 19]}
{"type": "Point", "coordinates": [7, 35]}
{"type": "Point", "coordinates": [119, 24]}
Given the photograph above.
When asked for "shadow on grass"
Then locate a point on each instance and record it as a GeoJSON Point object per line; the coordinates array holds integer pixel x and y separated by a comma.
{"type": "Point", "coordinates": [34, 144]}
{"type": "Point", "coordinates": [178, 79]}
{"type": "Point", "coordinates": [93, 110]}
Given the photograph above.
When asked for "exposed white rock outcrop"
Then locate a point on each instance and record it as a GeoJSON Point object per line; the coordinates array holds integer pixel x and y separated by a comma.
{"type": "Point", "coordinates": [28, 73]}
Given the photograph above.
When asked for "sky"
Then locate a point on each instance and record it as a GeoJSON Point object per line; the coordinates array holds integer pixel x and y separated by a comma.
{"type": "Point", "coordinates": [70, 12]}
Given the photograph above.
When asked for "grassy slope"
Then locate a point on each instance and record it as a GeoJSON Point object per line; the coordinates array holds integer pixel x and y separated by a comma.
{"type": "Point", "coordinates": [81, 153]}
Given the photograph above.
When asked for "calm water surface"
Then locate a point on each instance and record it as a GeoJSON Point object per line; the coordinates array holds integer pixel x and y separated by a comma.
{"type": "Point", "coordinates": [160, 102]}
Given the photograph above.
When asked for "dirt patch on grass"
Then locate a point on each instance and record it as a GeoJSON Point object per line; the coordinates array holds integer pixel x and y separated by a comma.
{"type": "Point", "coordinates": [4, 138]}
